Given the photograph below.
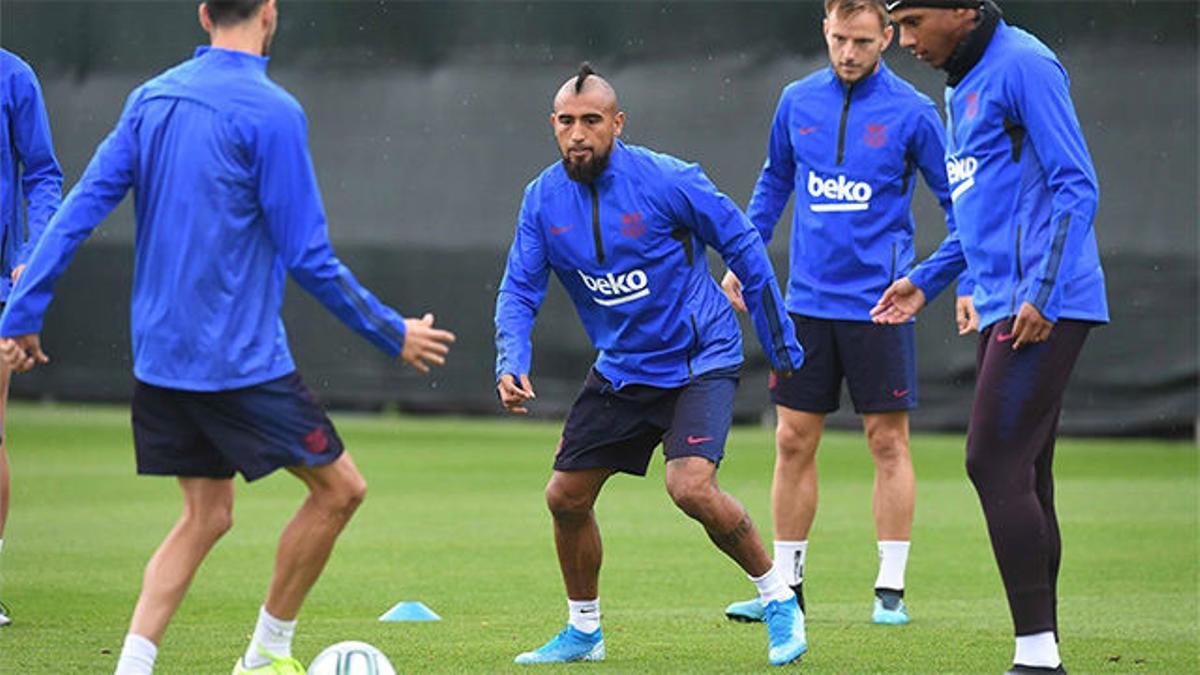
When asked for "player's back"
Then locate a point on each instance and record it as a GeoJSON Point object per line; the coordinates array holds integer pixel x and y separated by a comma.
{"type": "Point", "coordinates": [208, 281]}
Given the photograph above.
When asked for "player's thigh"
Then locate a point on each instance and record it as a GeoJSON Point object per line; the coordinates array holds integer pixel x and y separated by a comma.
{"type": "Point", "coordinates": [700, 417]}
{"type": "Point", "coordinates": [269, 426]}
{"type": "Point", "coordinates": [816, 387]}
{"type": "Point", "coordinates": [612, 429]}
{"type": "Point", "coordinates": [880, 362]}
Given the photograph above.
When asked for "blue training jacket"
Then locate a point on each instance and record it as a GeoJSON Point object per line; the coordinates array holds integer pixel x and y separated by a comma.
{"type": "Point", "coordinates": [1024, 189]}
{"type": "Point", "coordinates": [630, 251]}
{"type": "Point", "coordinates": [29, 171]}
{"type": "Point", "coordinates": [849, 154]}
{"type": "Point", "coordinates": [226, 204]}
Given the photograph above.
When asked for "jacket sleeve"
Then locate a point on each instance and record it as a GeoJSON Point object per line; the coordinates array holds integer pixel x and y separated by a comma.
{"type": "Point", "coordinates": [522, 291]}
{"type": "Point", "coordinates": [719, 223]}
{"type": "Point", "coordinates": [41, 177]}
{"type": "Point", "coordinates": [1039, 93]}
{"type": "Point", "coordinates": [103, 185]}
{"type": "Point", "coordinates": [777, 179]}
{"type": "Point", "coordinates": [928, 147]}
{"type": "Point", "coordinates": [295, 219]}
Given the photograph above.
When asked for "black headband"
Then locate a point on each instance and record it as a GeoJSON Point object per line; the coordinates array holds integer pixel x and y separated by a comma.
{"type": "Point", "coordinates": [894, 5]}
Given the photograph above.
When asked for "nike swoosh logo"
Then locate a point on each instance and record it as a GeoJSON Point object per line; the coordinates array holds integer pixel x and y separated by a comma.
{"type": "Point", "coordinates": [697, 440]}
{"type": "Point", "coordinates": [1003, 337]}
{"type": "Point", "coordinates": [560, 230]}
{"type": "Point", "coordinates": [804, 131]}
{"type": "Point", "coordinates": [900, 393]}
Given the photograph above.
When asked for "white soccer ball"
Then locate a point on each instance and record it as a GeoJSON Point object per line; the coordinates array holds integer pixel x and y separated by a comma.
{"type": "Point", "coordinates": [351, 658]}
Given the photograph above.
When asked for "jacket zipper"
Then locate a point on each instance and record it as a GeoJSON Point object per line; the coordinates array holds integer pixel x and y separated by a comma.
{"type": "Point", "coordinates": [842, 127]}
{"type": "Point", "coordinates": [1017, 289]}
{"type": "Point", "coordinates": [596, 224]}
{"type": "Point", "coordinates": [695, 344]}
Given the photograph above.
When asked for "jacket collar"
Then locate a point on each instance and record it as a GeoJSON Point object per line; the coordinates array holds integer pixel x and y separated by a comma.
{"type": "Point", "coordinates": [971, 49]}
{"type": "Point", "coordinates": [866, 84]}
{"type": "Point", "coordinates": [232, 56]}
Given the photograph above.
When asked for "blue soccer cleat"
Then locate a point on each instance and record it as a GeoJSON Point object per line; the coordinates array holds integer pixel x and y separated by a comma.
{"type": "Point", "coordinates": [889, 609]}
{"type": "Point", "coordinates": [748, 611]}
{"type": "Point", "coordinates": [785, 628]}
{"type": "Point", "coordinates": [571, 644]}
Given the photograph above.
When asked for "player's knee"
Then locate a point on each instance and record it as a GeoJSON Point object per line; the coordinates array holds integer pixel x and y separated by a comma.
{"type": "Point", "coordinates": [889, 448]}
{"type": "Point", "coordinates": [795, 444]}
{"type": "Point", "coordinates": [692, 494]}
{"type": "Point", "coordinates": [985, 473]}
{"type": "Point", "coordinates": [211, 523]}
{"type": "Point", "coordinates": [565, 504]}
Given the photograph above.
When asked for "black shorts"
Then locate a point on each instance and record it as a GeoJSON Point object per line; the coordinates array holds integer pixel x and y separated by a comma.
{"type": "Point", "coordinates": [878, 362]}
{"type": "Point", "coordinates": [254, 430]}
{"type": "Point", "coordinates": [618, 429]}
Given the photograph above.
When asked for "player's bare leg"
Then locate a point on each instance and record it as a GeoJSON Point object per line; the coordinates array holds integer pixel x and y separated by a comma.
{"type": "Point", "coordinates": [335, 492]}
{"type": "Point", "coordinates": [895, 483]}
{"type": "Point", "coordinates": [794, 488]}
{"type": "Point", "coordinates": [571, 496]}
{"type": "Point", "coordinates": [894, 499]}
{"type": "Point", "coordinates": [692, 484]}
{"type": "Point", "coordinates": [207, 514]}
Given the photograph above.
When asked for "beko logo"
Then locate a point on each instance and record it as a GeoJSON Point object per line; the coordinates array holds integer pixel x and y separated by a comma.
{"type": "Point", "coordinates": [961, 171]}
{"type": "Point", "coordinates": [617, 289]}
{"type": "Point", "coordinates": [845, 194]}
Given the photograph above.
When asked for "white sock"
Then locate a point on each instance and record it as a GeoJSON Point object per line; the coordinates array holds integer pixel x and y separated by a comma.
{"type": "Point", "coordinates": [893, 558]}
{"type": "Point", "coordinates": [771, 586]}
{"type": "Point", "coordinates": [789, 560]}
{"type": "Point", "coordinates": [584, 615]}
{"type": "Point", "coordinates": [1039, 650]}
{"type": "Point", "coordinates": [271, 634]}
{"type": "Point", "coordinates": [137, 656]}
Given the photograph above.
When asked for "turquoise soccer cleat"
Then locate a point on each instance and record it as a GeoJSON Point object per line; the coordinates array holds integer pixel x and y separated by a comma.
{"type": "Point", "coordinates": [785, 629]}
{"type": "Point", "coordinates": [889, 609]}
{"type": "Point", "coordinates": [571, 644]}
{"type": "Point", "coordinates": [748, 611]}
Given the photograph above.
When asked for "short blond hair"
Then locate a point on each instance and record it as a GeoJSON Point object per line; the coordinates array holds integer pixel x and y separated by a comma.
{"type": "Point", "coordinates": [848, 8]}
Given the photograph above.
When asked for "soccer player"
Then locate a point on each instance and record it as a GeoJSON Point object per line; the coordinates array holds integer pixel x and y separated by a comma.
{"type": "Point", "coordinates": [226, 203]}
{"type": "Point", "coordinates": [625, 231]}
{"type": "Point", "coordinates": [1025, 195]}
{"type": "Point", "coordinates": [847, 140]}
{"type": "Point", "coordinates": [29, 174]}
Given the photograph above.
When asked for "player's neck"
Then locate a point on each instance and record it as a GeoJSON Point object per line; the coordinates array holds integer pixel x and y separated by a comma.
{"type": "Point", "coordinates": [239, 40]}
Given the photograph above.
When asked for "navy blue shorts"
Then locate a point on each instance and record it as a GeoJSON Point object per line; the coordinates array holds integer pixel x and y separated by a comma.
{"type": "Point", "coordinates": [254, 430]}
{"type": "Point", "coordinates": [618, 429]}
{"type": "Point", "coordinates": [878, 362]}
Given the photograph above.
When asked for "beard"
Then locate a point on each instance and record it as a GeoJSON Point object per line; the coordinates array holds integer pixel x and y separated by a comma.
{"type": "Point", "coordinates": [586, 171]}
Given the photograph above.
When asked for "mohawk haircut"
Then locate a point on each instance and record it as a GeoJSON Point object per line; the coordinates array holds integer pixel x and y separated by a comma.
{"type": "Point", "coordinates": [231, 12]}
{"type": "Point", "coordinates": [585, 70]}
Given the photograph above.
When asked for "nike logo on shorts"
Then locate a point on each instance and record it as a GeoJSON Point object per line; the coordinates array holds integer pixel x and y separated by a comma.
{"type": "Point", "coordinates": [697, 440]}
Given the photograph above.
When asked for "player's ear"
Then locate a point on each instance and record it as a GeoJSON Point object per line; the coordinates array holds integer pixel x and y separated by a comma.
{"type": "Point", "coordinates": [205, 21]}
{"type": "Point", "coordinates": [618, 123]}
{"type": "Point", "coordinates": [889, 32]}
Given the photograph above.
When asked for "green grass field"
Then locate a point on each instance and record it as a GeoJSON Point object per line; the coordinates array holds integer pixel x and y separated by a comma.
{"type": "Point", "coordinates": [455, 519]}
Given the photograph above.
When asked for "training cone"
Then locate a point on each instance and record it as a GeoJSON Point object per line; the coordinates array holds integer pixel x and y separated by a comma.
{"type": "Point", "coordinates": [410, 611]}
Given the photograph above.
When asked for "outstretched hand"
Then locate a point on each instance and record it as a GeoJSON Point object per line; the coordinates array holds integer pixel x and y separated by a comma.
{"type": "Point", "coordinates": [424, 344]}
{"type": "Point", "coordinates": [23, 352]}
{"type": "Point", "coordinates": [899, 303]}
{"type": "Point", "coordinates": [733, 290]}
{"type": "Point", "coordinates": [514, 396]}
